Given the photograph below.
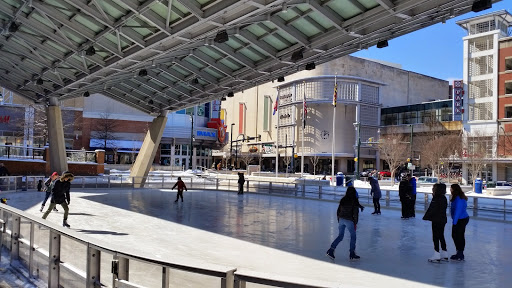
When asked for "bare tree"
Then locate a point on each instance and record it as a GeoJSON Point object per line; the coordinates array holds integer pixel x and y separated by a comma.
{"type": "Point", "coordinates": [247, 159]}
{"type": "Point", "coordinates": [478, 147]}
{"type": "Point", "coordinates": [438, 150]}
{"type": "Point", "coordinates": [314, 160]}
{"type": "Point", "coordinates": [392, 146]}
{"type": "Point", "coordinates": [104, 129]}
{"type": "Point", "coordinates": [287, 160]}
{"type": "Point", "coordinates": [504, 143]}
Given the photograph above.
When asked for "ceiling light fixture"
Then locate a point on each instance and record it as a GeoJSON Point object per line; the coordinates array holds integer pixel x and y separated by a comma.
{"type": "Point", "coordinates": [13, 27]}
{"type": "Point", "coordinates": [39, 81]}
{"type": "Point", "coordinates": [382, 44]}
{"type": "Point", "coordinates": [86, 94]}
{"type": "Point", "coordinates": [221, 37]}
{"type": "Point", "coordinates": [90, 51]}
{"type": "Point", "coordinates": [481, 5]}
{"type": "Point", "coordinates": [310, 66]}
{"type": "Point", "coordinates": [297, 55]}
{"type": "Point", "coordinates": [143, 73]}
{"type": "Point", "coordinates": [231, 94]}
{"type": "Point", "coordinates": [280, 79]}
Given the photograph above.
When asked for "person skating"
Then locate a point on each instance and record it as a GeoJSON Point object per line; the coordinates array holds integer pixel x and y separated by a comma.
{"type": "Point", "coordinates": [241, 181]}
{"type": "Point", "coordinates": [460, 218]}
{"type": "Point", "coordinates": [48, 187]}
{"type": "Point", "coordinates": [436, 213]}
{"type": "Point", "coordinates": [348, 215]}
{"type": "Point", "coordinates": [181, 185]}
{"type": "Point", "coordinates": [412, 203]}
{"type": "Point", "coordinates": [376, 194]}
{"type": "Point", "coordinates": [405, 193]}
{"type": "Point", "coordinates": [60, 195]}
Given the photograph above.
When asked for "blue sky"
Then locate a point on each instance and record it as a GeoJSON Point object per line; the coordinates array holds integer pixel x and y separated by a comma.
{"type": "Point", "coordinates": [440, 45]}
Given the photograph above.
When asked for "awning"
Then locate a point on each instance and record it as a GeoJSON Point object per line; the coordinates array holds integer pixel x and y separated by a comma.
{"type": "Point", "coordinates": [131, 145]}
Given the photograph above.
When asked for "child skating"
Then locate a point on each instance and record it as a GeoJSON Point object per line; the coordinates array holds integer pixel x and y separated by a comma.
{"type": "Point", "coordinates": [181, 185]}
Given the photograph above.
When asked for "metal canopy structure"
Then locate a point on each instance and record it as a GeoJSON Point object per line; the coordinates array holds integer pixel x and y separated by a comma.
{"type": "Point", "coordinates": [158, 55]}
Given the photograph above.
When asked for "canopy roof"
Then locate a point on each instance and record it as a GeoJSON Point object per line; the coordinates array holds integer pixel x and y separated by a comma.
{"type": "Point", "coordinates": [158, 55]}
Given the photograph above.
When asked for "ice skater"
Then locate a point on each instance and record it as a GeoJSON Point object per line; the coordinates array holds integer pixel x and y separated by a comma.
{"type": "Point", "coordinates": [348, 215]}
{"type": "Point", "coordinates": [60, 195]}
{"type": "Point", "coordinates": [405, 193]}
{"type": "Point", "coordinates": [241, 181]}
{"type": "Point", "coordinates": [460, 218]}
{"type": "Point", "coordinates": [181, 185]}
{"type": "Point", "coordinates": [436, 213]}
{"type": "Point", "coordinates": [376, 194]}
{"type": "Point", "coordinates": [48, 187]}
{"type": "Point", "coordinates": [412, 204]}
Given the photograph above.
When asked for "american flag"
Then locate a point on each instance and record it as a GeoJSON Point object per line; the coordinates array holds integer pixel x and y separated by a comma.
{"type": "Point", "coordinates": [275, 105]}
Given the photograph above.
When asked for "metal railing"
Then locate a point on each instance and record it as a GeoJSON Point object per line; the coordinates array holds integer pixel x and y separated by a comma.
{"type": "Point", "coordinates": [21, 152]}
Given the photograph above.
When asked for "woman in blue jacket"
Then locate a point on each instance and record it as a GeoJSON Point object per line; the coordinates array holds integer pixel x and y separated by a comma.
{"type": "Point", "coordinates": [460, 218]}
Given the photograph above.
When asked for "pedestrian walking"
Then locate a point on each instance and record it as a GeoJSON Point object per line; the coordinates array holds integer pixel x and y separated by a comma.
{"type": "Point", "coordinates": [48, 187]}
{"type": "Point", "coordinates": [460, 219]}
{"type": "Point", "coordinates": [436, 213]}
{"type": "Point", "coordinates": [60, 195]}
{"type": "Point", "coordinates": [348, 216]}
{"type": "Point", "coordinates": [181, 185]}
{"type": "Point", "coordinates": [376, 194]}
{"type": "Point", "coordinates": [241, 181]}
{"type": "Point", "coordinates": [405, 194]}
{"type": "Point", "coordinates": [412, 204]}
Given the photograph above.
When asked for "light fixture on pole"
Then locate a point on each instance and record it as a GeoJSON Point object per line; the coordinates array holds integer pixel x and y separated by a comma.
{"type": "Point", "coordinates": [357, 160]}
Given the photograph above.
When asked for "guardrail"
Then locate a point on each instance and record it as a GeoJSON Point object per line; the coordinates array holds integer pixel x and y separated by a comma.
{"type": "Point", "coordinates": [59, 257]}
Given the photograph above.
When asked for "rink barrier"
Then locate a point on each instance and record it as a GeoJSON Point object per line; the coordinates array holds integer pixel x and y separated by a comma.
{"type": "Point", "coordinates": [49, 260]}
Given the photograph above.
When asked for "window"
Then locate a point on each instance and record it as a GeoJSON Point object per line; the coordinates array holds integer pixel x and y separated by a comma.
{"type": "Point", "coordinates": [508, 63]}
{"type": "Point", "coordinates": [508, 111]}
{"type": "Point", "coordinates": [508, 87]}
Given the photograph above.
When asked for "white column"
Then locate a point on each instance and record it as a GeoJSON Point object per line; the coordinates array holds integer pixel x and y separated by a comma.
{"type": "Point", "coordinates": [58, 159]}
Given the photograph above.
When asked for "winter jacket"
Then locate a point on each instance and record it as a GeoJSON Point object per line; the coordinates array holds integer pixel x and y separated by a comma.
{"type": "Point", "coordinates": [436, 212]}
{"type": "Point", "coordinates": [405, 190]}
{"type": "Point", "coordinates": [349, 211]}
{"type": "Point", "coordinates": [241, 179]}
{"type": "Point", "coordinates": [375, 192]}
{"type": "Point", "coordinates": [61, 192]}
{"type": "Point", "coordinates": [181, 185]}
{"type": "Point", "coordinates": [458, 209]}
{"type": "Point", "coordinates": [48, 185]}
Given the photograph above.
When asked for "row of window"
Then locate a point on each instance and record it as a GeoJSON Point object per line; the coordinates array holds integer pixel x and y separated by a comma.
{"type": "Point", "coordinates": [415, 117]}
{"type": "Point", "coordinates": [184, 150]}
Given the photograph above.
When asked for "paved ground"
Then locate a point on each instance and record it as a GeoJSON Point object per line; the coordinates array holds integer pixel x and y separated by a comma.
{"type": "Point", "coordinates": [281, 236]}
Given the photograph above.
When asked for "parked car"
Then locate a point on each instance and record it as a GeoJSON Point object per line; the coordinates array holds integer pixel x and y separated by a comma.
{"type": "Point", "coordinates": [366, 172]}
{"type": "Point", "coordinates": [503, 183]}
{"type": "Point", "coordinates": [385, 173]}
{"type": "Point", "coordinates": [427, 180]}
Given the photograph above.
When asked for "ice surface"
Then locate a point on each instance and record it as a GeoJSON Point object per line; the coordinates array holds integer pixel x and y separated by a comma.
{"type": "Point", "coordinates": [284, 236]}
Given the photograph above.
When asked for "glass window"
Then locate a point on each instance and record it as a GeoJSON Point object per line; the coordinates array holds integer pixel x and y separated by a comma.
{"type": "Point", "coordinates": [184, 150]}
{"type": "Point", "coordinates": [177, 149]}
{"type": "Point", "coordinates": [508, 87]}
{"type": "Point", "coordinates": [508, 112]}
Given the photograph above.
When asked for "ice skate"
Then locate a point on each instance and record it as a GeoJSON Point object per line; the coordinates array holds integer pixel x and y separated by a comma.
{"type": "Point", "coordinates": [458, 257]}
{"type": "Point", "coordinates": [444, 255]}
{"type": "Point", "coordinates": [42, 207]}
{"type": "Point", "coordinates": [436, 258]}
{"type": "Point", "coordinates": [55, 209]}
{"type": "Point", "coordinates": [353, 256]}
{"type": "Point", "coordinates": [330, 253]}
{"type": "Point", "coordinates": [65, 224]}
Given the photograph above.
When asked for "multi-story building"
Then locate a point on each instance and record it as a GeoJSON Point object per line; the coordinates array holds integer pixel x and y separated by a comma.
{"type": "Point", "coordinates": [485, 101]}
{"type": "Point", "coordinates": [363, 88]}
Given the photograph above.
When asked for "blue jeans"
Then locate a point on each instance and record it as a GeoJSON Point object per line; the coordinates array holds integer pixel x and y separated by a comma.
{"type": "Point", "coordinates": [46, 197]}
{"type": "Point", "coordinates": [351, 229]}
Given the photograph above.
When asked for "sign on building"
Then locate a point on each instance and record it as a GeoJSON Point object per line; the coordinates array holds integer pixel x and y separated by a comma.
{"type": "Point", "coordinates": [458, 100]}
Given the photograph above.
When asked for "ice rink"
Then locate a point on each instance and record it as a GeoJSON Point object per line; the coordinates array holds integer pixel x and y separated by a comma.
{"type": "Point", "coordinates": [284, 236]}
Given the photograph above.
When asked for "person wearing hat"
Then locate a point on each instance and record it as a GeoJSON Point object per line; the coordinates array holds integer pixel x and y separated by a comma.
{"type": "Point", "coordinates": [60, 196]}
{"type": "Point", "coordinates": [48, 186]}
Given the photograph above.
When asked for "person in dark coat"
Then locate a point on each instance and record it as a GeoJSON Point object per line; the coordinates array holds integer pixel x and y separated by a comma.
{"type": "Point", "coordinates": [181, 185]}
{"type": "Point", "coordinates": [61, 196]}
{"type": "Point", "coordinates": [241, 181]}
{"type": "Point", "coordinates": [376, 194]}
{"type": "Point", "coordinates": [348, 216]}
{"type": "Point", "coordinates": [412, 204]}
{"type": "Point", "coordinates": [436, 213]}
{"type": "Point", "coordinates": [48, 187]}
{"type": "Point", "coordinates": [405, 193]}
{"type": "Point", "coordinates": [3, 170]}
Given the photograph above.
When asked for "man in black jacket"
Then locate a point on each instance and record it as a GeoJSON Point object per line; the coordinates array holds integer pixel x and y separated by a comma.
{"type": "Point", "coordinates": [405, 193]}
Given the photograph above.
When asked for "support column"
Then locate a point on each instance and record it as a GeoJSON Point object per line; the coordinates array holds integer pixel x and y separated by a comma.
{"type": "Point", "coordinates": [148, 150]}
{"type": "Point", "coordinates": [465, 174]}
{"type": "Point", "coordinates": [58, 160]}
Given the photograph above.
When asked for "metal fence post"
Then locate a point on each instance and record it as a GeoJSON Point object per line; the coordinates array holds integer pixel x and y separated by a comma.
{"type": "Point", "coordinates": [269, 187]}
{"type": "Point", "coordinates": [387, 198]}
{"type": "Point", "coordinates": [108, 181]}
{"type": "Point", "coordinates": [93, 268]}
{"type": "Point", "coordinates": [54, 260]}
{"type": "Point", "coordinates": [247, 186]}
{"type": "Point", "coordinates": [165, 277]}
{"type": "Point", "coordinates": [162, 181]}
{"type": "Point", "coordinates": [31, 251]}
{"type": "Point", "coordinates": [217, 184]}
{"type": "Point", "coordinates": [304, 188]}
{"type": "Point", "coordinates": [15, 243]}
{"type": "Point", "coordinates": [320, 192]}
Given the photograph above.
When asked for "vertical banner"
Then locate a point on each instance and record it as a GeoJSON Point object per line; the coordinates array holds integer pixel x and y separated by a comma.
{"type": "Point", "coordinates": [458, 100]}
{"type": "Point", "coordinates": [241, 118]}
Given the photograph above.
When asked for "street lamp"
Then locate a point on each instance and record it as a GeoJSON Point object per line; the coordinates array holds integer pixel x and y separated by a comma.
{"type": "Point", "coordinates": [231, 146]}
{"type": "Point", "coordinates": [236, 152]}
{"type": "Point", "coordinates": [358, 128]}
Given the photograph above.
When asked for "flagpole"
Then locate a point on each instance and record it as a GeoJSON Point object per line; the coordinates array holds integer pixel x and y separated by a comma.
{"type": "Point", "coordinates": [303, 132]}
{"type": "Point", "coordinates": [277, 135]}
{"type": "Point", "coordinates": [334, 125]}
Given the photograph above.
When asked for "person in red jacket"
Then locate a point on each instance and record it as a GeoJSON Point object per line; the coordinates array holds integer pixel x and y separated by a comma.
{"type": "Point", "coordinates": [180, 185]}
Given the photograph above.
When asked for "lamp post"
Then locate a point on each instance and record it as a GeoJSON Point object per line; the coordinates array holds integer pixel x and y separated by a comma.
{"type": "Point", "coordinates": [358, 127]}
{"type": "Point", "coordinates": [191, 140]}
{"type": "Point", "coordinates": [231, 145]}
{"type": "Point", "coordinates": [412, 127]}
{"type": "Point", "coordinates": [236, 152]}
